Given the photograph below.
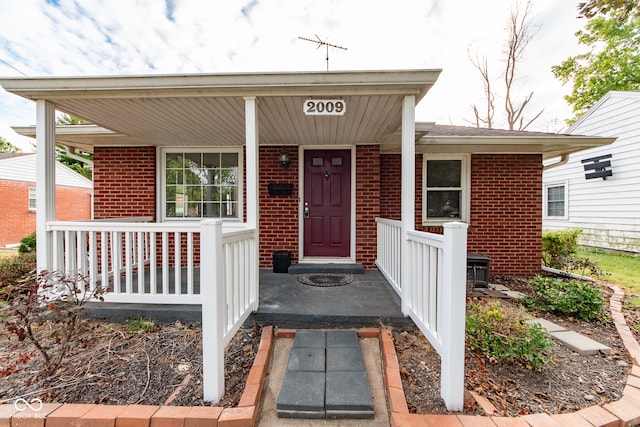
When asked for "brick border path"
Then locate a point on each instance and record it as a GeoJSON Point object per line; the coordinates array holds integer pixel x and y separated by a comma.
{"type": "Point", "coordinates": [625, 411]}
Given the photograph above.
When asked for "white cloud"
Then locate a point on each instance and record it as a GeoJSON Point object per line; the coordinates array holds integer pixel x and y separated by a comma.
{"type": "Point", "coordinates": [100, 37]}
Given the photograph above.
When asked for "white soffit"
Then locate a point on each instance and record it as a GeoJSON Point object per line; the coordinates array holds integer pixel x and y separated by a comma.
{"type": "Point", "coordinates": [208, 110]}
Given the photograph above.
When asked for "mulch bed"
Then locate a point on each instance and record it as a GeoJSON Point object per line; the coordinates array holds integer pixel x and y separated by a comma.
{"type": "Point", "coordinates": [571, 383]}
{"type": "Point", "coordinates": [114, 365]}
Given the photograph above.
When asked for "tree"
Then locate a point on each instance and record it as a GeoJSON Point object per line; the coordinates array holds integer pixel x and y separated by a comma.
{"type": "Point", "coordinates": [612, 61]}
{"type": "Point", "coordinates": [623, 8]}
{"type": "Point", "coordinates": [80, 161]}
{"type": "Point", "coordinates": [519, 34]}
{"type": "Point", "coordinates": [7, 147]}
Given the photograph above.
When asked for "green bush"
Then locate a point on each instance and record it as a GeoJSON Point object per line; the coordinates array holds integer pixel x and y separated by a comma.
{"type": "Point", "coordinates": [28, 243]}
{"type": "Point", "coordinates": [501, 334]}
{"type": "Point", "coordinates": [570, 297]}
{"type": "Point", "coordinates": [557, 245]}
{"type": "Point", "coordinates": [15, 267]}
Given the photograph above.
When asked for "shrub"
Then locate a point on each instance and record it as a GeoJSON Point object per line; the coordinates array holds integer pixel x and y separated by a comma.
{"type": "Point", "coordinates": [28, 244]}
{"type": "Point", "coordinates": [501, 334]}
{"type": "Point", "coordinates": [14, 267]}
{"type": "Point", "coordinates": [570, 297]}
{"type": "Point", "coordinates": [557, 245]}
{"type": "Point", "coordinates": [44, 310]}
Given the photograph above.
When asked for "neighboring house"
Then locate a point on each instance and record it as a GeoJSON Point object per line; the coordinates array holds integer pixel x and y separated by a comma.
{"type": "Point", "coordinates": [173, 149]}
{"type": "Point", "coordinates": [598, 190]}
{"type": "Point", "coordinates": [18, 196]}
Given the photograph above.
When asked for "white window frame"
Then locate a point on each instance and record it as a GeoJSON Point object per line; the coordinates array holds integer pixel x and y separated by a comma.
{"type": "Point", "coordinates": [545, 193]}
{"type": "Point", "coordinates": [465, 189]}
{"type": "Point", "coordinates": [31, 203]}
{"type": "Point", "coordinates": [162, 173]}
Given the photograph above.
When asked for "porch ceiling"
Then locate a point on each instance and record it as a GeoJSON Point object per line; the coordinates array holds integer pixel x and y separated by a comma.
{"type": "Point", "coordinates": [208, 110]}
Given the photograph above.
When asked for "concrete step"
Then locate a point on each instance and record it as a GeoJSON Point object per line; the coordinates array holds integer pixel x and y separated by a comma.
{"type": "Point", "coordinates": [340, 390]}
{"type": "Point", "coordinates": [331, 268]}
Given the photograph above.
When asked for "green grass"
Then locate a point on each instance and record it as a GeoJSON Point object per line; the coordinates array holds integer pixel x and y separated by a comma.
{"type": "Point", "coordinates": [621, 269]}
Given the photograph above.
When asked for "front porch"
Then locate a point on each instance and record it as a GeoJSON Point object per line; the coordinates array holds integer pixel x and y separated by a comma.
{"type": "Point", "coordinates": [369, 301]}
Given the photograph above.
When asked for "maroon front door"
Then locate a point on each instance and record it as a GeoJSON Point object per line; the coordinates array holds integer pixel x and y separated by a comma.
{"type": "Point", "coordinates": [327, 203]}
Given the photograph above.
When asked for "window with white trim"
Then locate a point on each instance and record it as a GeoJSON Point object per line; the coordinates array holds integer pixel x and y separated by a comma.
{"type": "Point", "coordinates": [555, 200]}
{"type": "Point", "coordinates": [201, 184]}
{"type": "Point", "coordinates": [446, 189]}
{"type": "Point", "coordinates": [32, 198]}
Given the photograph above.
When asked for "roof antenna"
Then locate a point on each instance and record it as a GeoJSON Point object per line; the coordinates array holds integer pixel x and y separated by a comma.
{"type": "Point", "coordinates": [321, 43]}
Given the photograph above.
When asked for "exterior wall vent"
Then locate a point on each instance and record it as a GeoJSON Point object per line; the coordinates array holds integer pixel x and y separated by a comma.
{"type": "Point", "coordinates": [596, 167]}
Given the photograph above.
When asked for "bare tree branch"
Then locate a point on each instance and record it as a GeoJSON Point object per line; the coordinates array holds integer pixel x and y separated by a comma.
{"type": "Point", "coordinates": [482, 66]}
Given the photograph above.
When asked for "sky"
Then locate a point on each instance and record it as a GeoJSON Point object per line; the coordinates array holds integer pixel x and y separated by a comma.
{"type": "Point", "coordinates": [132, 37]}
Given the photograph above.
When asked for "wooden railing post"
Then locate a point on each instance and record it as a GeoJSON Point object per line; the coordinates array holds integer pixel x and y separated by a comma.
{"type": "Point", "coordinates": [454, 309]}
{"type": "Point", "coordinates": [213, 302]}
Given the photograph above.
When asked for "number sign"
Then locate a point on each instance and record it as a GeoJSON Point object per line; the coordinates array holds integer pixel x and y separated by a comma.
{"type": "Point", "coordinates": [324, 107]}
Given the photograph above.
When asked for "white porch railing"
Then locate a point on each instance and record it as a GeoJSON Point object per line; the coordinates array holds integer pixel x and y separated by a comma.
{"type": "Point", "coordinates": [169, 263]}
{"type": "Point", "coordinates": [433, 292]}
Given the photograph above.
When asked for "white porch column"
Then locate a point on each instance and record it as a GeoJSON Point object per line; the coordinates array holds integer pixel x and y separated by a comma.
{"type": "Point", "coordinates": [251, 135]}
{"type": "Point", "coordinates": [408, 196]}
{"type": "Point", "coordinates": [45, 182]}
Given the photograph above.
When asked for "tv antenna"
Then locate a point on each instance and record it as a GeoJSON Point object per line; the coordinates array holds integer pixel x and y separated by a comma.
{"type": "Point", "coordinates": [324, 43]}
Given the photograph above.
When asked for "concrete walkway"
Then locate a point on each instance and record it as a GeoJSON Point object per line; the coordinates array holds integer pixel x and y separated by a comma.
{"type": "Point", "coordinates": [268, 416]}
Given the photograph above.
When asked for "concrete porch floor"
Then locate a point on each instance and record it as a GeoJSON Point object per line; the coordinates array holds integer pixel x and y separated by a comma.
{"type": "Point", "coordinates": [368, 301]}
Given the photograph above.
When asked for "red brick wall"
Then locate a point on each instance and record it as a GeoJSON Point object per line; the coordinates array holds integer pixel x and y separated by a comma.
{"type": "Point", "coordinates": [278, 214]}
{"type": "Point", "coordinates": [367, 203]}
{"type": "Point", "coordinates": [124, 182]}
{"type": "Point", "coordinates": [506, 208]}
{"type": "Point", "coordinates": [506, 212]}
{"type": "Point", "coordinates": [17, 221]}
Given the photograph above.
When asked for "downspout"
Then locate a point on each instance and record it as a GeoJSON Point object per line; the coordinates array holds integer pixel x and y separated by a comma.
{"type": "Point", "coordinates": [563, 160]}
{"type": "Point", "coordinates": [74, 156]}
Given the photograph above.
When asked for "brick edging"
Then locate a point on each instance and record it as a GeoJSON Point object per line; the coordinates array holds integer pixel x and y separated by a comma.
{"type": "Point", "coordinates": [244, 415]}
{"type": "Point", "coordinates": [625, 411]}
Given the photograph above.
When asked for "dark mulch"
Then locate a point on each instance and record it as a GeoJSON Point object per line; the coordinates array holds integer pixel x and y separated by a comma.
{"type": "Point", "coordinates": [116, 366]}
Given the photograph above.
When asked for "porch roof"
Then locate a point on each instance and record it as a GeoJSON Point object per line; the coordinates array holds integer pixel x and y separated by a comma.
{"type": "Point", "coordinates": [208, 109]}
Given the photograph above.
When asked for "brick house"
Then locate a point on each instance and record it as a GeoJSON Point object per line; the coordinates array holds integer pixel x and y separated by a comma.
{"type": "Point", "coordinates": [18, 198]}
{"type": "Point", "coordinates": [177, 149]}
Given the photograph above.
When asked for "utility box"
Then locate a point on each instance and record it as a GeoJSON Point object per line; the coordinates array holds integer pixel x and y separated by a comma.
{"type": "Point", "coordinates": [281, 261]}
{"type": "Point", "coordinates": [478, 270]}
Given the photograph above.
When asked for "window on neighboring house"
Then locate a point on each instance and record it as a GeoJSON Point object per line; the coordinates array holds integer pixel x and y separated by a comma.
{"type": "Point", "coordinates": [32, 198]}
{"type": "Point", "coordinates": [556, 200]}
{"type": "Point", "coordinates": [202, 184]}
{"type": "Point", "coordinates": [446, 189]}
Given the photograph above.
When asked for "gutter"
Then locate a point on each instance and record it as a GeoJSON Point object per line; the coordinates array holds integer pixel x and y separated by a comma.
{"type": "Point", "coordinates": [563, 160]}
{"type": "Point", "coordinates": [71, 152]}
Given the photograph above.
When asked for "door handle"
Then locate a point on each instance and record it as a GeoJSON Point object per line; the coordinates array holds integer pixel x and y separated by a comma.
{"type": "Point", "coordinates": [306, 213]}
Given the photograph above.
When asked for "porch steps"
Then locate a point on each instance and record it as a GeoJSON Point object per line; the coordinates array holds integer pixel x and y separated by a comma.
{"type": "Point", "coordinates": [325, 378]}
{"type": "Point", "coordinates": [331, 268]}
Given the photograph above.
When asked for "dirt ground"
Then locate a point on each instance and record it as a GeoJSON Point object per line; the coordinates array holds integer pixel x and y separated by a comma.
{"type": "Point", "coordinates": [118, 364]}
{"type": "Point", "coordinates": [572, 382]}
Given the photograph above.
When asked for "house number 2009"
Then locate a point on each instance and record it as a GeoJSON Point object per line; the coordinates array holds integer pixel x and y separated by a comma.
{"type": "Point", "coordinates": [324, 107]}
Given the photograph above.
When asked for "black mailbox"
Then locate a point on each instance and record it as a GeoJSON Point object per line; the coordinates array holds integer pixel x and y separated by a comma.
{"type": "Point", "coordinates": [280, 189]}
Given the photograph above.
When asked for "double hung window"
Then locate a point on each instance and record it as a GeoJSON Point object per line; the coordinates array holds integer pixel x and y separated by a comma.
{"type": "Point", "coordinates": [202, 184]}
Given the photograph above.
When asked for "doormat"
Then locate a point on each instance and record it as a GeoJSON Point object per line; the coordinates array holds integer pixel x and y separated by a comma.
{"type": "Point", "coordinates": [325, 279]}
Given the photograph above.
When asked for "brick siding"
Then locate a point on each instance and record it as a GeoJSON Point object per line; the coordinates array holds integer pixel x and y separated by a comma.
{"type": "Point", "coordinates": [279, 215]}
{"type": "Point", "coordinates": [367, 203]}
{"type": "Point", "coordinates": [124, 182]}
{"type": "Point", "coordinates": [17, 221]}
{"type": "Point", "coordinates": [506, 209]}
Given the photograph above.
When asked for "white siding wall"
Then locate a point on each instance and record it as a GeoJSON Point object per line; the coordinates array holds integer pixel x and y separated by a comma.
{"type": "Point", "coordinates": [23, 168]}
{"type": "Point", "coordinates": [608, 210]}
